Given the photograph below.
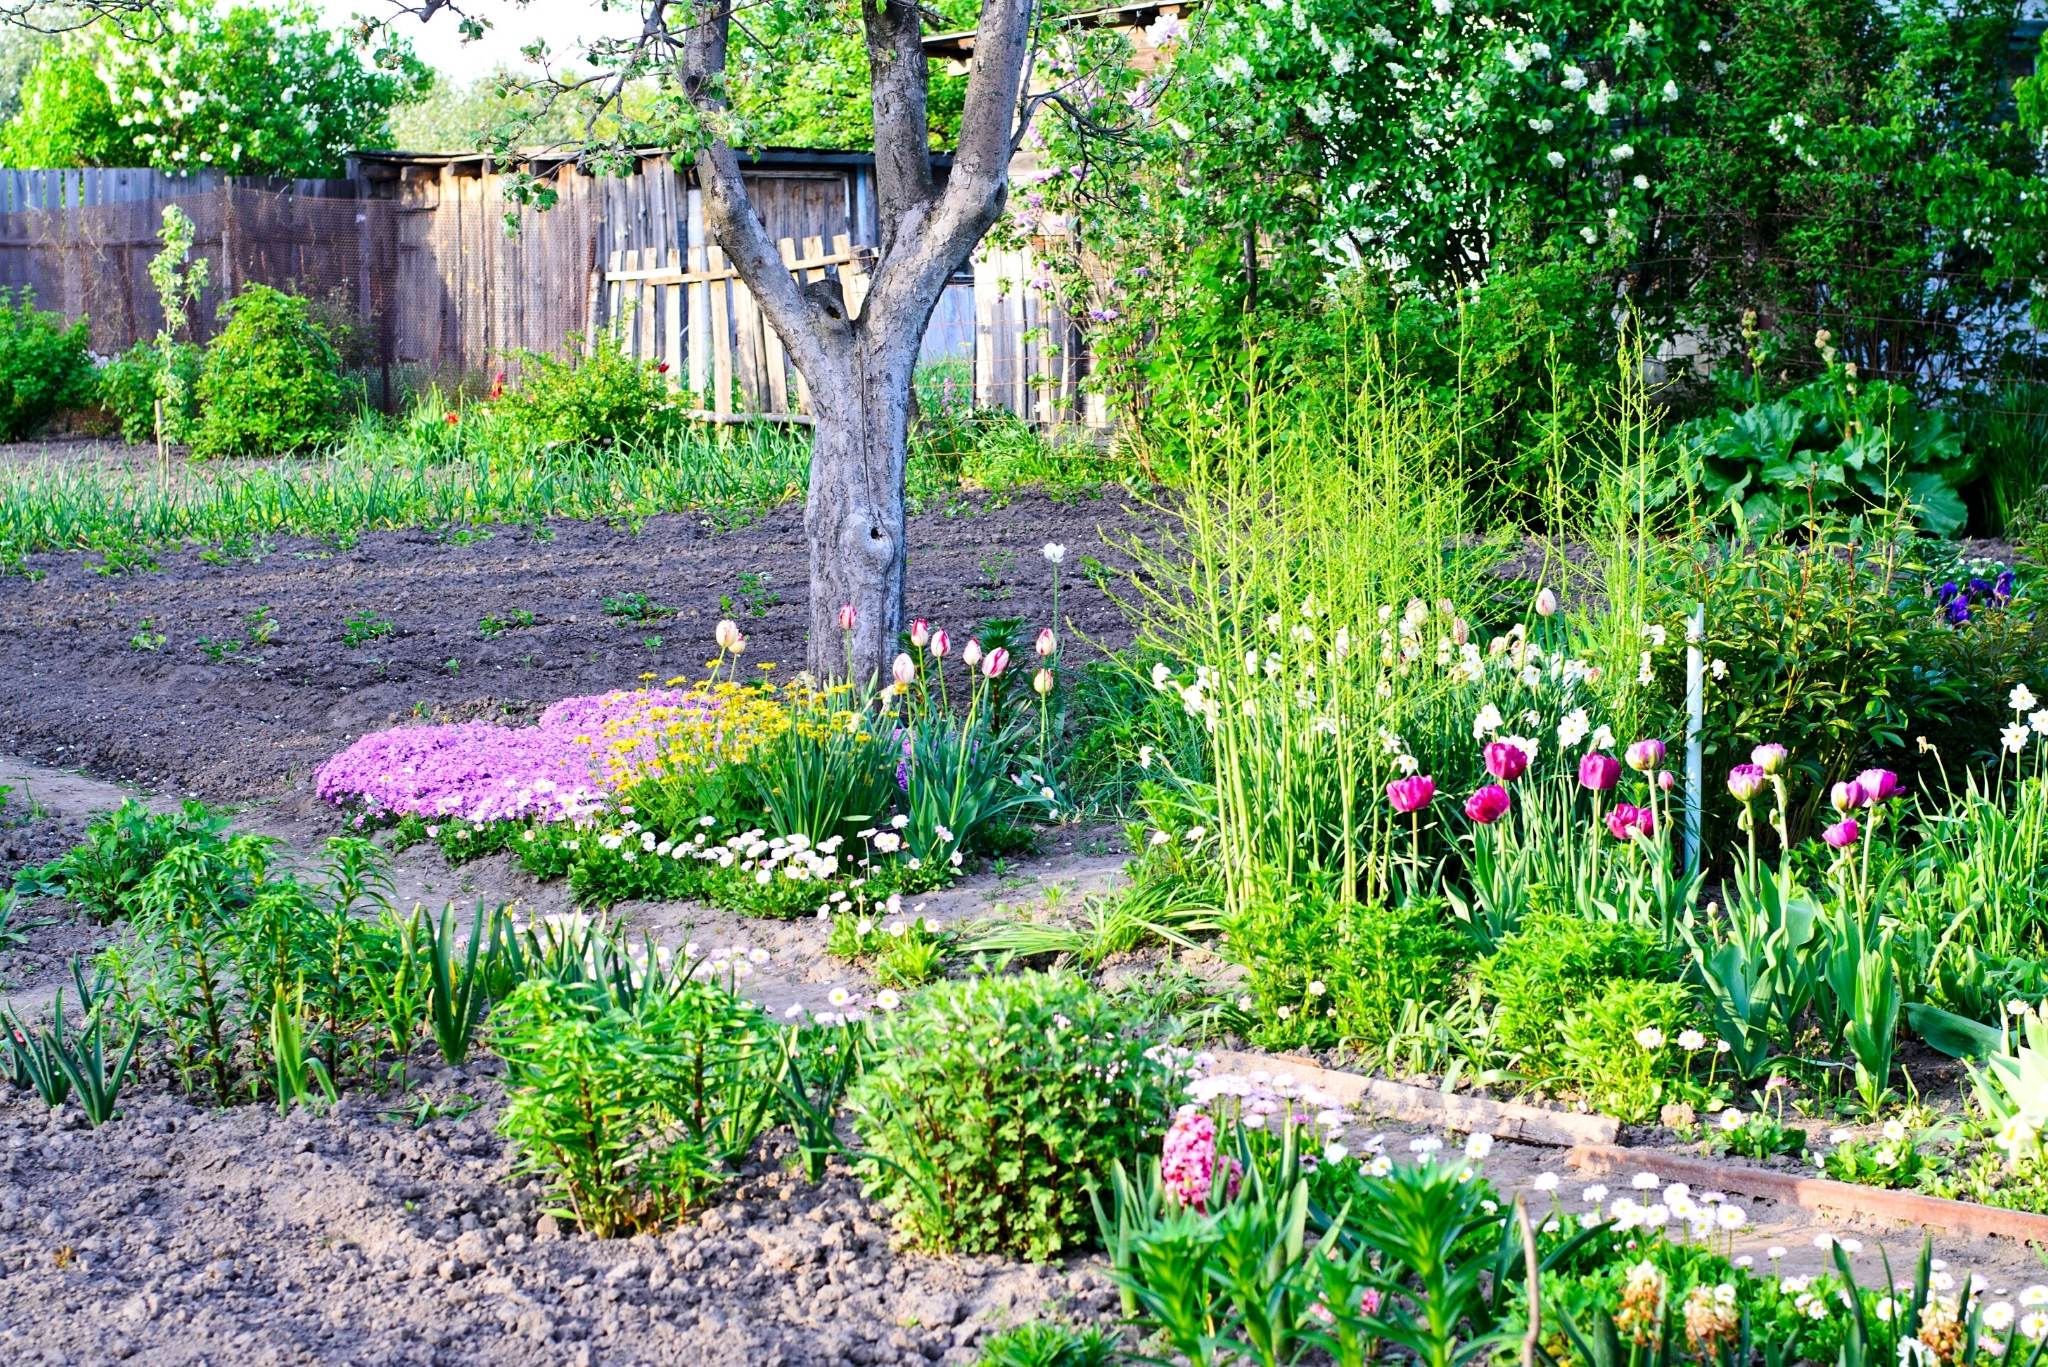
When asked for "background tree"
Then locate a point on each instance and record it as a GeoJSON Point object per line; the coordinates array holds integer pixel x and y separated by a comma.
{"type": "Point", "coordinates": [249, 90]}
{"type": "Point", "coordinates": [858, 365]}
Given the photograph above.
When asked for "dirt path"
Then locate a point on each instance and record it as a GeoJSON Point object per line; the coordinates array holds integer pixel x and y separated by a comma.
{"type": "Point", "coordinates": [1072, 864]}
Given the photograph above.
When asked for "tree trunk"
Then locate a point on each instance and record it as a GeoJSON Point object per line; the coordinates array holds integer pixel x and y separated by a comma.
{"type": "Point", "coordinates": [854, 516]}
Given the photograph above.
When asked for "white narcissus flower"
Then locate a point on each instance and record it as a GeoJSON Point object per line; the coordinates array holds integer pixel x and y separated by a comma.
{"type": "Point", "coordinates": [2022, 698]}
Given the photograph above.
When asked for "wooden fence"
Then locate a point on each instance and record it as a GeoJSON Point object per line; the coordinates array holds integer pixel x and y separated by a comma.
{"type": "Point", "coordinates": [446, 278]}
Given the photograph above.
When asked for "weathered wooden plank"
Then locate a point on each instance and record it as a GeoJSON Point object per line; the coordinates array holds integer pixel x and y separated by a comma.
{"type": "Point", "coordinates": [721, 335]}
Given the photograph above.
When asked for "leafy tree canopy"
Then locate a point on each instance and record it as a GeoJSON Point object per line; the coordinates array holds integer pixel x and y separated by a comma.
{"type": "Point", "coordinates": [248, 90]}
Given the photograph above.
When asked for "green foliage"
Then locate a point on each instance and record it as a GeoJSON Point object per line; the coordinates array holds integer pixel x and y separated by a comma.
{"type": "Point", "coordinates": [1558, 963]}
{"type": "Point", "coordinates": [272, 382]}
{"type": "Point", "coordinates": [1322, 973]}
{"type": "Point", "coordinates": [1041, 1343]}
{"type": "Point", "coordinates": [246, 90]}
{"type": "Point", "coordinates": [45, 365]}
{"type": "Point", "coordinates": [597, 400]}
{"type": "Point", "coordinates": [632, 1106]}
{"type": "Point", "coordinates": [989, 1105]}
{"type": "Point", "coordinates": [1835, 444]}
{"type": "Point", "coordinates": [799, 75]}
{"type": "Point", "coordinates": [1517, 371]}
{"type": "Point", "coordinates": [1620, 1049]}
{"type": "Point", "coordinates": [105, 872]}
{"type": "Point", "coordinates": [130, 383]}
{"type": "Point", "coordinates": [1829, 647]}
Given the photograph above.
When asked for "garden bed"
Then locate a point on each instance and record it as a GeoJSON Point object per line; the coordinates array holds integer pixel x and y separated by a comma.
{"type": "Point", "coordinates": [254, 680]}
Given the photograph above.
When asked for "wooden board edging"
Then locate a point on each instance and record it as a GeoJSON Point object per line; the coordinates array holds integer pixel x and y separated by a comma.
{"type": "Point", "coordinates": [1816, 1193]}
{"type": "Point", "coordinates": [1426, 1106]}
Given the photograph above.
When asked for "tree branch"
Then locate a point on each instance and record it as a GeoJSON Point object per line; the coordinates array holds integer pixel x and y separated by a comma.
{"type": "Point", "coordinates": [899, 82]}
{"type": "Point", "coordinates": [729, 212]}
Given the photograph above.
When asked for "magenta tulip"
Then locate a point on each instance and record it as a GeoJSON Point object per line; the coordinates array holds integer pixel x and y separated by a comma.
{"type": "Point", "coordinates": [1506, 761]}
{"type": "Point", "coordinates": [1411, 794]}
{"type": "Point", "coordinates": [1645, 755]}
{"type": "Point", "coordinates": [1878, 784]}
{"type": "Point", "coordinates": [1488, 805]}
{"type": "Point", "coordinates": [1599, 772]}
{"type": "Point", "coordinates": [1666, 780]}
{"type": "Point", "coordinates": [1626, 822]}
{"type": "Point", "coordinates": [1843, 833]}
{"type": "Point", "coordinates": [1745, 781]}
{"type": "Point", "coordinates": [1847, 797]}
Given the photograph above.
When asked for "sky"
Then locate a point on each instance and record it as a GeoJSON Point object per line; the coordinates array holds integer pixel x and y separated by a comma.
{"type": "Point", "coordinates": [563, 23]}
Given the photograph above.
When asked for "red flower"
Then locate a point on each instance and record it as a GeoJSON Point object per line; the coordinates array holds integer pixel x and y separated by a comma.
{"type": "Point", "coordinates": [661, 369]}
{"type": "Point", "coordinates": [454, 418]}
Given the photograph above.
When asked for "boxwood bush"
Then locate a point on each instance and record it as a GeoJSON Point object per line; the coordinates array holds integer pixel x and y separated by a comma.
{"type": "Point", "coordinates": [272, 382]}
{"type": "Point", "coordinates": [44, 364]}
{"type": "Point", "coordinates": [991, 1105]}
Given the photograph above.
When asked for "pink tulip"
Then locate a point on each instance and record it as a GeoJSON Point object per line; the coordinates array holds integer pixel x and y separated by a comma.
{"type": "Point", "coordinates": [1411, 794]}
{"type": "Point", "coordinates": [847, 616]}
{"type": "Point", "coordinates": [1626, 822]}
{"type": "Point", "coordinates": [1546, 603]}
{"type": "Point", "coordinates": [1843, 833]}
{"type": "Point", "coordinates": [995, 662]}
{"type": "Point", "coordinates": [1645, 755]}
{"type": "Point", "coordinates": [1488, 805]}
{"type": "Point", "coordinates": [1745, 781]}
{"type": "Point", "coordinates": [1599, 772]}
{"type": "Point", "coordinates": [1666, 780]}
{"type": "Point", "coordinates": [1046, 643]}
{"type": "Point", "coordinates": [1506, 761]}
{"type": "Point", "coordinates": [1878, 785]}
{"type": "Point", "coordinates": [920, 632]}
{"type": "Point", "coordinates": [1847, 797]}
{"type": "Point", "coordinates": [941, 643]}
{"type": "Point", "coordinates": [903, 671]}
{"type": "Point", "coordinates": [1770, 757]}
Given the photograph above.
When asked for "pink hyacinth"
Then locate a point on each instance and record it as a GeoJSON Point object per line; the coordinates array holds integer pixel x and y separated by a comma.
{"type": "Point", "coordinates": [1488, 805]}
{"type": "Point", "coordinates": [1187, 1162]}
{"type": "Point", "coordinates": [1745, 781]}
{"type": "Point", "coordinates": [1599, 772]}
{"type": "Point", "coordinates": [1645, 755]}
{"type": "Point", "coordinates": [1843, 833]}
{"type": "Point", "coordinates": [1506, 760]}
{"type": "Point", "coordinates": [1411, 794]}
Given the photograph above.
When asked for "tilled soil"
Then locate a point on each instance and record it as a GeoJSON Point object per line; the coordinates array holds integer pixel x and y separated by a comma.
{"type": "Point", "coordinates": [182, 1235]}
{"type": "Point", "coordinates": [235, 679]}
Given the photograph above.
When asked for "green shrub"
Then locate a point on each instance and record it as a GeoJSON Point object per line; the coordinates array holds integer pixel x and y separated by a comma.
{"type": "Point", "coordinates": [44, 365]}
{"type": "Point", "coordinates": [1557, 963]}
{"type": "Point", "coordinates": [601, 399]}
{"type": "Point", "coordinates": [989, 1107]}
{"type": "Point", "coordinates": [632, 1106]}
{"type": "Point", "coordinates": [128, 391]}
{"type": "Point", "coordinates": [1621, 1046]}
{"type": "Point", "coordinates": [1323, 974]}
{"type": "Point", "coordinates": [272, 382]}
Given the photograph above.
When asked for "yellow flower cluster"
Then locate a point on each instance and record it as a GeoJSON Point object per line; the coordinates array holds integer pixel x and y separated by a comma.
{"type": "Point", "coordinates": [711, 724]}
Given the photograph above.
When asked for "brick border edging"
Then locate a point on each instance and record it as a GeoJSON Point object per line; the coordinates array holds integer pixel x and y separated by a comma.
{"type": "Point", "coordinates": [1817, 1193]}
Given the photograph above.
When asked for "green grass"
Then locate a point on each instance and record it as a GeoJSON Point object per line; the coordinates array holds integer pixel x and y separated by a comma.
{"type": "Point", "coordinates": [374, 483]}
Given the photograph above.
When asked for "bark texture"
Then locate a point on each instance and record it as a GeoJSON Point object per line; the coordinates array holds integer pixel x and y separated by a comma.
{"type": "Point", "coordinates": [859, 369]}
